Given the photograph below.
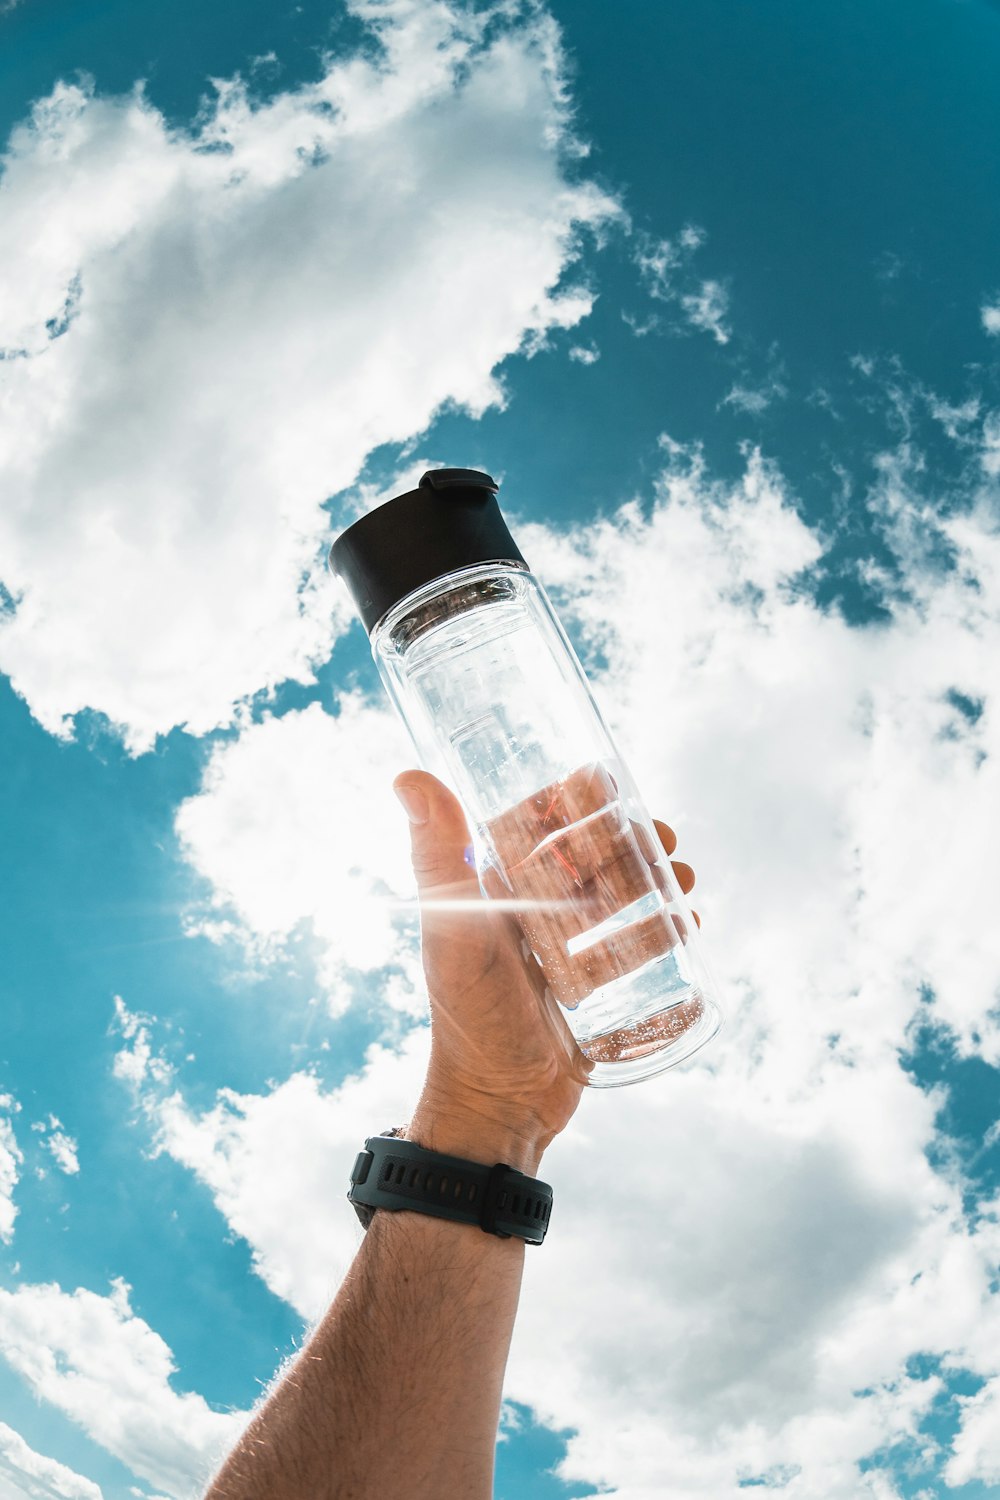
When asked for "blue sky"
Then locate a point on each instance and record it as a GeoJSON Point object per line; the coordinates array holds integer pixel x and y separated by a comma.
{"type": "Point", "coordinates": [714, 291]}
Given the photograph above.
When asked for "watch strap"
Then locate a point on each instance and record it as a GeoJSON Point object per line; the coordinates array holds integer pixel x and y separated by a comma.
{"type": "Point", "coordinates": [393, 1173]}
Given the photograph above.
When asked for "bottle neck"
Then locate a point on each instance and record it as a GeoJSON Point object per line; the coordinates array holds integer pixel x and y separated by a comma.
{"type": "Point", "coordinates": [446, 598]}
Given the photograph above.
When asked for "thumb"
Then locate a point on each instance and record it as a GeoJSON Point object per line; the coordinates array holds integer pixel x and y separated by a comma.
{"type": "Point", "coordinates": [439, 836]}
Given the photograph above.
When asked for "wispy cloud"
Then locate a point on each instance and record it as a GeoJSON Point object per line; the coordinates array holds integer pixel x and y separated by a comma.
{"type": "Point", "coordinates": [888, 266]}
{"type": "Point", "coordinates": [989, 452]}
{"type": "Point", "coordinates": [970, 423]}
{"type": "Point", "coordinates": [62, 1147]}
{"type": "Point", "coordinates": [707, 309]}
{"type": "Point", "coordinates": [64, 1152]}
{"type": "Point", "coordinates": [28, 1475]}
{"type": "Point", "coordinates": [755, 399]}
{"type": "Point", "coordinates": [991, 318]}
{"type": "Point", "coordinates": [135, 1062]}
{"type": "Point", "coordinates": [666, 272]}
{"type": "Point", "coordinates": [959, 419]}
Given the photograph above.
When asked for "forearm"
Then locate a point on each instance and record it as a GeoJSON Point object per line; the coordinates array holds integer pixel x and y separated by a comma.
{"type": "Point", "coordinates": [396, 1395]}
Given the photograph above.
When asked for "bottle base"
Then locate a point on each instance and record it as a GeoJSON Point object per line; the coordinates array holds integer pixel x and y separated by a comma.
{"type": "Point", "coordinates": [651, 1043]}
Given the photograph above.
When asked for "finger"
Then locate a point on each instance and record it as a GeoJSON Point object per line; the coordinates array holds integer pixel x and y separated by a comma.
{"type": "Point", "coordinates": [668, 837]}
{"type": "Point", "coordinates": [685, 875]}
{"type": "Point", "coordinates": [681, 925]}
{"type": "Point", "coordinates": [438, 844]}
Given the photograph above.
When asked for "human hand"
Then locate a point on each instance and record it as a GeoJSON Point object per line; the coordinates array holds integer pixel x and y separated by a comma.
{"type": "Point", "coordinates": [501, 1050]}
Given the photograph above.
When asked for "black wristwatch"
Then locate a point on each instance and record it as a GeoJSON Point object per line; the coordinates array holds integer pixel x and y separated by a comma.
{"type": "Point", "coordinates": [393, 1173]}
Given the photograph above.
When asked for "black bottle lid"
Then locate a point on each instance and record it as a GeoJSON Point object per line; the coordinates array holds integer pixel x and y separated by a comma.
{"type": "Point", "coordinates": [451, 520]}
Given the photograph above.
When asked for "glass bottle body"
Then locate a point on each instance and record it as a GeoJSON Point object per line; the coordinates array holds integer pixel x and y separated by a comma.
{"type": "Point", "coordinates": [498, 707]}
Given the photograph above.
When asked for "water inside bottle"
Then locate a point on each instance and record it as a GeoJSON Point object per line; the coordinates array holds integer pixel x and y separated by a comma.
{"type": "Point", "coordinates": [644, 907]}
{"type": "Point", "coordinates": [599, 914]}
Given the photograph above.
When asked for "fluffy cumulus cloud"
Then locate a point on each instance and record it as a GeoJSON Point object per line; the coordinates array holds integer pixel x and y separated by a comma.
{"type": "Point", "coordinates": [96, 1360]}
{"type": "Point", "coordinates": [991, 318]}
{"type": "Point", "coordinates": [771, 1246]}
{"type": "Point", "coordinates": [27, 1475]}
{"type": "Point", "coordinates": [248, 1151]}
{"type": "Point", "coordinates": [977, 1447]}
{"type": "Point", "coordinates": [331, 773]}
{"type": "Point", "coordinates": [259, 317]}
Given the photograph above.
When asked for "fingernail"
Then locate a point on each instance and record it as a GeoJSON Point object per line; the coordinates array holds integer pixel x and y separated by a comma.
{"type": "Point", "coordinates": [414, 803]}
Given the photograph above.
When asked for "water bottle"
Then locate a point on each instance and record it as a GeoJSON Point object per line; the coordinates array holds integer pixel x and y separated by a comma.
{"type": "Point", "coordinates": [497, 704]}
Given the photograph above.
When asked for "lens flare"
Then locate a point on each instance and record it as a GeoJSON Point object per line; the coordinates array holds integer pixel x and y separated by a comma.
{"type": "Point", "coordinates": [467, 903]}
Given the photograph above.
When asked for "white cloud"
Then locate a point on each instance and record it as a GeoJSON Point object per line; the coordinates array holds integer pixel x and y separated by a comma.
{"type": "Point", "coordinates": [778, 1268]}
{"type": "Point", "coordinates": [744, 398]}
{"type": "Point", "coordinates": [62, 1146]}
{"type": "Point", "coordinates": [955, 418]}
{"type": "Point", "coordinates": [11, 1160]}
{"type": "Point", "coordinates": [640, 328]}
{"type": "Point", "coordinates": [665, 271]}
{"type": "Point", "coordinates": [135, 1063]}
{"type": "Point", "coordinates": [991, 318]}
{"type": "Point", "coordinates": [989, 453]}
{"type": "Point", "coordinates": [248, 1150]}
{"type": "Point", "coordinates": [754, 399]}
{"type": "Point", "coordinates": [692, 236]}
{"type": "Point", "coordinates": [708, 308]}
{"type": "Point", "coordinates": [768, 1285]}
{"type": "Point", "coordinates": [332, 774]}
{"type": "Point", "coordinates": [661, 260]}
{"type": "Point", "coordinates": [97, 1361]}
{"type": "Point", "coordinates": [583, 355]}
{"type": "Point", "coordinates": [64, 1149]}
{"type": "Point", "coordinates": [261, 321]}
{"type": "Point", "coordinates": [977, 1446]}
{"type": "Point", "coordinates": [28, 1475]}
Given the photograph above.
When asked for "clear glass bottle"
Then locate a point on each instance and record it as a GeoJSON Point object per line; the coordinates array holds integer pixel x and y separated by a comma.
{"type": "Point", "coordinates": [498, 707]}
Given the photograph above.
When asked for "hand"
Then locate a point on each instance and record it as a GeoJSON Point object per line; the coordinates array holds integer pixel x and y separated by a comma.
{"type": "Point", "coordinates": [501, 1050]}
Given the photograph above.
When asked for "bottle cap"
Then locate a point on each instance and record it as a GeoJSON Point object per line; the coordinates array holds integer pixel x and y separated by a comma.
{"type": "Point", "coordinates": [451, 520]}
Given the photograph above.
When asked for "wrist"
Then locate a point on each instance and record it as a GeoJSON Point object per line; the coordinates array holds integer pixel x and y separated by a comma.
{"type": "Point", "coordinates": [454, 1131]}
